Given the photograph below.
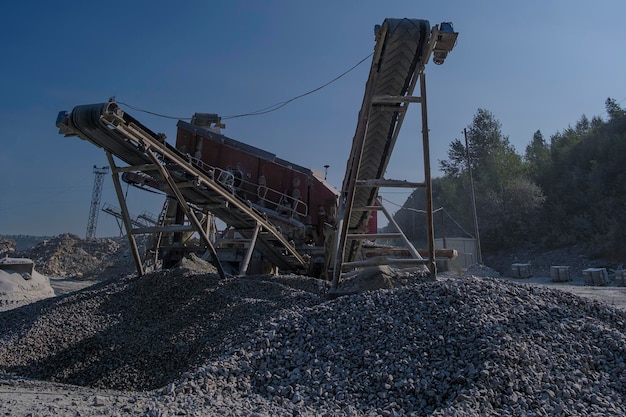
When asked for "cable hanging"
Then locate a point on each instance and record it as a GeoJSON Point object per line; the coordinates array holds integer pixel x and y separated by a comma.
{"type": "Point", "coordinates": [282, 104]}
{"type": "Point", "coordinates": [264, 110]}
{"type": "Point", "coordinates": [434, 211]}
{"type": "Point", "coordinates": [152, 113]}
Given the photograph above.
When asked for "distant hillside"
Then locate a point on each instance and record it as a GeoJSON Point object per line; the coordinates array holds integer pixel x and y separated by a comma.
{"type": "Point", "coordinates": [25, 242]}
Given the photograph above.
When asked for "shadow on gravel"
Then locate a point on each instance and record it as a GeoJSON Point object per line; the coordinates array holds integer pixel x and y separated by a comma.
{"type": "Point", "coordinates": [139, 333]}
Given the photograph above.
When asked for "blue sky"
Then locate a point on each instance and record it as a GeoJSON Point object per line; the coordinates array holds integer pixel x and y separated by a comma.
{"type": "Point", "coordinates": [533, 64]}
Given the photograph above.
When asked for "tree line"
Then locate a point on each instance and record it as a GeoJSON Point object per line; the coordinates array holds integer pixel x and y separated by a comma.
{"type": "Point", "coordinates": [570, 189]}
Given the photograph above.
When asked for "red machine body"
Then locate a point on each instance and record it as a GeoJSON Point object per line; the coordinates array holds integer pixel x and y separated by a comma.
{"type": "Point", "coordinates": [299, 198]}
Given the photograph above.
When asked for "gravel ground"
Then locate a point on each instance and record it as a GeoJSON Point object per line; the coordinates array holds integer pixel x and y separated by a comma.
{"type": "Point", "coordinates": [184, 342]}
{"type": "Point", "coordinates": [610, 295]}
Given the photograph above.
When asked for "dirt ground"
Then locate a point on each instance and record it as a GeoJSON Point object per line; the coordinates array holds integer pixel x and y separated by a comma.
{"type": "Point", "coordinates": [68, 285]}
{"type": "Point", "coordinates": [23, 397]}
{"type": "Point", "coordinates": [611, 295]}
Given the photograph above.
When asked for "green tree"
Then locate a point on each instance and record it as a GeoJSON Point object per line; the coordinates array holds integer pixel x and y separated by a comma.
{"type": "Point", "coordinates": [613, 109]}
{"type": "Point", "coordinates": [491, 155]}
{"type": "Point", "coordinates": [537, 156]}
{"type": "Point", "coordinates": [585, 184]}
{"type": "Point", "coordinates": [569, 190]}
{"type": "Point", "coordinates": [506, 198]}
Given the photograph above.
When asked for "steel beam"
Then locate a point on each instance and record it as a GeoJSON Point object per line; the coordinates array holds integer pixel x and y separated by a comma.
{"type": "Point", "coordinates": [126, 219]}
{"type": "Point", "coordinates": [188, 212]}
{"type": "Point", "coordinates": [246, 260]}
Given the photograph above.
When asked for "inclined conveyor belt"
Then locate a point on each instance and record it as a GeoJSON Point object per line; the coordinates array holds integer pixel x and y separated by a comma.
{"type": "Point", "coordinates": [400, 49]}
{"type": "Point", "coordinates": [107, 126]}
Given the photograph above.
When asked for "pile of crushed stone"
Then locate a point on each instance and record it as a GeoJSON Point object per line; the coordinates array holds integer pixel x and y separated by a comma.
{"type": "Point", "coordinates": [479, 270]}
{"type": "Point", "coordinates": [459, 346]}
{"type": "Point", "coordinates": [381, 277]}
{"type": "Point", "coordinates": [139, 332]}
{"type": "Point", "coordinates": [68, 255]}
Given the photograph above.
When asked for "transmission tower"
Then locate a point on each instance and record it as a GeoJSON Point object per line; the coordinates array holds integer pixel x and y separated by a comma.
{"type": "Point", "coordinates": [95, 201]}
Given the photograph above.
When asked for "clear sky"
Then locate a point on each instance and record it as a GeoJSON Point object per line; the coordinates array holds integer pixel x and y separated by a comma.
{"type": "Point", "coordinates": [533, 64]}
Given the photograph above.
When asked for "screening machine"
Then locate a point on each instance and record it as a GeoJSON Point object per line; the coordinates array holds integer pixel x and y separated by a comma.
{"type": "Point", "coordinates": [278, 215]}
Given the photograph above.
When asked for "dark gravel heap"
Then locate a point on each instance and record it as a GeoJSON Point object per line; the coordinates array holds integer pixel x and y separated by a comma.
{"type": "Point", "coordinates": [139, 333]}
{"type": "Point", "coordinates": [455, 347]}
{"type": "Point", "coordinates": [275, 346]}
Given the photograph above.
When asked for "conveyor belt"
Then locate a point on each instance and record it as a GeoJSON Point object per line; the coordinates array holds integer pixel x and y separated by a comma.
{"type": "Point", "coordinates": [107, 126]}
{"type": "Point", "coordinates": [402, 45]}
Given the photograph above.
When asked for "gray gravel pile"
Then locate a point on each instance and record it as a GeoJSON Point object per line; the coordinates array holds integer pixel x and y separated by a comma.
{"type": "Point", "coordinates": [381, 277]}
{"type": "Point", "coordinates": [479, 270]}
{"type": "Point", "coordinates": [459, 347]}
{"type": "Point", "coordinates": [275, 346]}
{"type": "Point", "coordinates": [67, 255]}
{"type": "Point", "coordinates": [139, 333]}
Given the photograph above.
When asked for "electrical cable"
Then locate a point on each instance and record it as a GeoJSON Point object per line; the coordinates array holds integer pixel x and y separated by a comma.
{"type": "Point", "coordinates": [434, 211]}
{"type": "Point", "coordinates": [409, 208]}
{"type": "Point", "coordinates": [282, 104]}
{"type": "Point", "coordinates": [264, 110]}
{"type": "Point", "coordinates": [152, 113]}
{"type": "Point", "coordinates": [458, 225]}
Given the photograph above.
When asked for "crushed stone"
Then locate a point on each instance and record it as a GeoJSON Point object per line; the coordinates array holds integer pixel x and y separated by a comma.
{"type": "Point", "coordinates": [69, 256]}
{"type": "Point", "coordinates": [263, 345]}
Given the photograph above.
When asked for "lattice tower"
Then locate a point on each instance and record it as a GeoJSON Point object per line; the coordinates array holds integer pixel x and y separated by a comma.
{"type": "Point", "coordinates": [95, 201]}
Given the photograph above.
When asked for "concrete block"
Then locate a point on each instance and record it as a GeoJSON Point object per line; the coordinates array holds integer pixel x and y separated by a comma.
{"type": "Point", "coordinates": [560, 273]}
{"type": "Point", "coordinates": [595, 276]}
{"type": "Point", "coordinates": [520, 270]}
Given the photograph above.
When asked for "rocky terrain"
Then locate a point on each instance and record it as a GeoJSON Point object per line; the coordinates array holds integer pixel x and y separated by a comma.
{"type": "Point", "coordinates": [184, 342]}
{"type": "Point", "coordinates": [7, 247]}
{"type": "Point", "coordinates": [69, 256]}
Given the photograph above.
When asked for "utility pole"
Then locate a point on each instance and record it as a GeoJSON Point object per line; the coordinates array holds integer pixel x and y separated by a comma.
{"type": "Point", "coordinates": [95, 201]}
{"type": "Point", "coordinates": [479, 255]}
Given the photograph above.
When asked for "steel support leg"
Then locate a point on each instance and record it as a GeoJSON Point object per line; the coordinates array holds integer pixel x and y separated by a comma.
{"type": "Point", "coordinates": [246, 260]}
{"type": "Point", "coordinates": [125, 216]}
{"type": "Point", "coordinates": [432, 266]}
{"type": "Point", "coordinates": [188, 212]}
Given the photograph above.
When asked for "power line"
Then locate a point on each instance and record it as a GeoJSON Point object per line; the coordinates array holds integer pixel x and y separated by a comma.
{"type": "Point", "coordinates": [409, 208]}
{"type": "Point", "coordinates": [264, 110]}
{"type": "Point", "coordinates": [282, 104]}
{"type": "Point", "coordinates": [434, 211]}
{"type": "Point", "coordinates": [152, 113]}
